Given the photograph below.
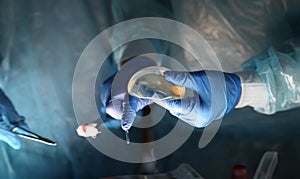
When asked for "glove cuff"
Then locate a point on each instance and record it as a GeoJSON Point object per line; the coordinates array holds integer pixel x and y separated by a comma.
{"type": "Point", "coordinates": [254, 92]}
{"type": "Point", "coordinates": [234, 88]}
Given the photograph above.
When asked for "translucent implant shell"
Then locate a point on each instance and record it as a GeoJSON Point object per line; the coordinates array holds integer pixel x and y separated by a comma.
{"type": "Point", "coordinates": [149, 83]}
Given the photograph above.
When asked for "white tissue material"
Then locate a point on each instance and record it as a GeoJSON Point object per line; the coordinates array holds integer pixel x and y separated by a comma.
{"type": "Point", "coordinates": [88, 130]}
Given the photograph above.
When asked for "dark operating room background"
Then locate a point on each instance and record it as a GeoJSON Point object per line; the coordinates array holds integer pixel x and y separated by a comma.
{"type": "Point", "coordinates": [40, 44]}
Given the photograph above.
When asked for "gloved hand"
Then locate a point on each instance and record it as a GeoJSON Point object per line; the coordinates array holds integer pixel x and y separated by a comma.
{"type": "Point", "coordinates": [8, 137]}
{"type": "Point", "coordinates": [200, 110]}
{"type": "Point", "coordinates": [123, 106]}
{"type": "Point", "coordinates": [21, 123]}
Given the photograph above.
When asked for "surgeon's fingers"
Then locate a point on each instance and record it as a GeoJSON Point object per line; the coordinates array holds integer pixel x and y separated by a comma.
{"type": "Point", "coordinates": [180, 107]}
{"type": "Point", "coordinates": [138, 103]}
{"type": "Point", "coordinates": [179, 78]}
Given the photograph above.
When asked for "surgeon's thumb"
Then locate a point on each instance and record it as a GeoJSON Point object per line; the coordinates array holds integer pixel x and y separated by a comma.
{"type": "Point", "coordinates": [179, 78]}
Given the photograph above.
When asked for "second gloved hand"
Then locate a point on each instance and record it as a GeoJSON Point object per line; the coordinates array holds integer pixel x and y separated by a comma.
{"type": "Point", "coordinates": [123, 106]}
{"type": "Point", "coordinates": [200, 110]}
{"type": "Point", "coordinates": [114, 96]}
{"type": "Point", "coordinates": [8, 137]}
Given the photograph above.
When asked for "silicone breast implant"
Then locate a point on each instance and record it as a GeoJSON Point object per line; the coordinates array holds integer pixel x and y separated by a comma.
{"type": "Point", "coordinates": [149, 83]}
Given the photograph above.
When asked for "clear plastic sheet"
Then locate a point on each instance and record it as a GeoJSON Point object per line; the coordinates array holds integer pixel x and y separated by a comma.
{"type": "Point", "coordinates": [238, 30]}
{"type": "Point", "coordinates": [280, 73]}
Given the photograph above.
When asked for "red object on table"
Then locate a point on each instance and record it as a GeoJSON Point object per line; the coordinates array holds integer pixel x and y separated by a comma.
{"type": "Point", "coordinates": [239, 172]}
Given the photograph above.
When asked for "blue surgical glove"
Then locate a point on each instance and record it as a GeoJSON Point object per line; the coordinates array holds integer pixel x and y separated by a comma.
{"type": "Point", "coordinates": [21, 123]}
{"type": "Point", "coordinates": [10, 138]}
{"type": "Point", "coordinates": [129, 106]}
{"type": "Point", "coordinates": [123, 106]}
{"type": "Point", "coordinates": [200, 110]}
